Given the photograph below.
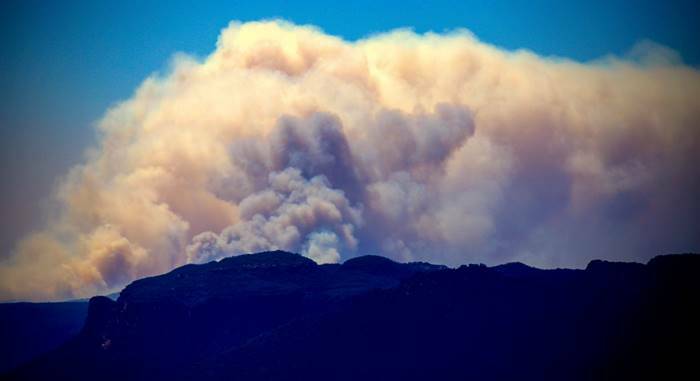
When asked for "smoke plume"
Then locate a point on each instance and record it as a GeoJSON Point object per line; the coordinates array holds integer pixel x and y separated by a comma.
{"type": "Point", "coordinates": [418, 147]}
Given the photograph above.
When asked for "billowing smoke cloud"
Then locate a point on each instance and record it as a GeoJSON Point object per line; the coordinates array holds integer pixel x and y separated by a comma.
{"type": "Point", "coordinates": [417, 147]}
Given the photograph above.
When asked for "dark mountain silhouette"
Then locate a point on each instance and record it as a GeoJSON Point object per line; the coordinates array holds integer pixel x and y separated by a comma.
{"type": "Point", "coordinates": [30, 329]}
{"type": "Point", "coordinates": [279, 316]}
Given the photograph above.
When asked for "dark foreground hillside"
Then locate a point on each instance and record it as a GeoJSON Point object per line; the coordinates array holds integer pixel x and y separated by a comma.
{"type": "Point", "coordinates": [279, 316]}
{"type": "Point", "coordinates": [30, 329]}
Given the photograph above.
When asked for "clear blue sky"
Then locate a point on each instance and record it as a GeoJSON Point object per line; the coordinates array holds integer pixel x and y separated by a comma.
{"type": "Point", "coordinates": [63, 63]}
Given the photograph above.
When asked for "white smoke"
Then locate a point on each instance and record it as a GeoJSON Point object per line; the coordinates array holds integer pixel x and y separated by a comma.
{"type": "Point", "coordinates": [417, 147]}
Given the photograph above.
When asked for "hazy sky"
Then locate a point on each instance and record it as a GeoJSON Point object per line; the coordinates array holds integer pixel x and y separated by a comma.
{"type": "Point", "coordinates": [65, 63]}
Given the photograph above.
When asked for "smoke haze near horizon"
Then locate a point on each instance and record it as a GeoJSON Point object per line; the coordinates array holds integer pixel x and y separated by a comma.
{"type": "Point", "coordinates": [428, 147]}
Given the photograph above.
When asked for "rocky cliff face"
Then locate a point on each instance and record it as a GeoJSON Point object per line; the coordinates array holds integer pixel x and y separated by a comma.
{"type": "Point", "coordinates": [278, 315]}
{"type": "Point", "coordinates": [219, 305]}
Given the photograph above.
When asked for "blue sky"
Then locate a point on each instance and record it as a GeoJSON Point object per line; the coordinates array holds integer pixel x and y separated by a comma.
{"type": "Point", "coordinates": [64, 63]}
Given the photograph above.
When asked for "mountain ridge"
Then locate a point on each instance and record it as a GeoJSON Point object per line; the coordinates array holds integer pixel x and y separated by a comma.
{"type": "Point", "coordinates": [267, 315]}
